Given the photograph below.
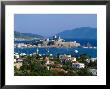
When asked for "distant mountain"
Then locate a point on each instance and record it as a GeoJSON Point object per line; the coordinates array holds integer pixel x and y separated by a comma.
{"type": "Point", "coordinates": [79, 33]}
{"type": "Point", "coordinates": [27, 35]}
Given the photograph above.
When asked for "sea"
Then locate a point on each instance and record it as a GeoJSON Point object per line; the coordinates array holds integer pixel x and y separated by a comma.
{"type": "Point", "coordinates": [92, 52]}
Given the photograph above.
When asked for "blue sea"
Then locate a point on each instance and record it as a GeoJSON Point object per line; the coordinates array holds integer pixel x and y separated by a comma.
{"type": "Point", "coordinates": [89, 51]}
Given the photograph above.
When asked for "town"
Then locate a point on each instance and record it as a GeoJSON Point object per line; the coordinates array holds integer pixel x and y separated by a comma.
{"type": "Point", "coordinates": [36, 64]}
{"type": "Point", "coordinates": [55, 41]}
{"type": "Point", "coordinates": [48, 65]}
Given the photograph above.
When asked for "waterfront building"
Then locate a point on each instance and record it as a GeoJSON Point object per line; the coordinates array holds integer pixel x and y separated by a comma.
{"type": "Point", "coordinates": [22, 54]}
{"type": "Point", "coordinates": [47, 39]}
{"type": "Point", "coordinates": [66, 44]}
{"type": "Point", "coordinates": [56, 41]}
{"type": "Point", "coordinates": [39, 45]}
{"type": "Point", "coordinates": [54, 37]}
{"type": "Point", "coordinates": [21, 45]}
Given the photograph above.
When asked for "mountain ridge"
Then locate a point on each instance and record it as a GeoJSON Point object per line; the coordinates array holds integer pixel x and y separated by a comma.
{"type": "Point", "coordinates": [79, 33]}
{"type": "Point", "coordinates": [27, 35]}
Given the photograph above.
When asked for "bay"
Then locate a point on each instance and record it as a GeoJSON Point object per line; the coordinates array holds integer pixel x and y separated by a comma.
{"type": "Point", "coordinates": [89, 51]}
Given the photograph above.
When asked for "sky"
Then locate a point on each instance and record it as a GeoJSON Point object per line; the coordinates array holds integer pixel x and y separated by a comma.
{"type": "Point", "coordinates": [50, 24]}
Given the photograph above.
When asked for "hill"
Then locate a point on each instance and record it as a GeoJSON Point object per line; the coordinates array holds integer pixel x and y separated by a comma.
{"type": "Point", "coordinates": [79, 33]}
{"type": "Point", "coordinates": [20, 35]}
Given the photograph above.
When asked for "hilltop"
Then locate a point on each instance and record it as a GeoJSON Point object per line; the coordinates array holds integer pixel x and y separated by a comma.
{"type": "Point", "coordinates": [20, 35]}
{"type": "Point", "coordinates": [79, 33]}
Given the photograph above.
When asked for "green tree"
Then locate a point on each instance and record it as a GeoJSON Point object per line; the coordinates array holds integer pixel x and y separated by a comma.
{"type": "Point", "coordinates": [92, 64]}
{"type": "Point", "coordinates": [71, 73]}
{"type": "Point", "coordinates": [83, 58]}
{"type": "Point", "coordinates": [83, 72]}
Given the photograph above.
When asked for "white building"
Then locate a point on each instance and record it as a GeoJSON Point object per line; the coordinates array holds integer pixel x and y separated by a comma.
{"type": "Point", "coordinates": [14, 60]}
{"type": "Point", "coordinates": [22, 54]}
{"type": "Point", "coordinates": [73, 59]}
{"type": "Point", "coordinates": [78, 65]}
{"type": "Point", "coordinates": [21, 45]}
{"type": "Point", "coordinates": [66, 57]}
{"type": "Point", "coordinates": [19, 60]}
{"type": "Point", "coordinates": [16, 55]}
{"type": "Point", "coordinates": [91, 60]}
{"type": "Point", "coordinates": [47, 39]}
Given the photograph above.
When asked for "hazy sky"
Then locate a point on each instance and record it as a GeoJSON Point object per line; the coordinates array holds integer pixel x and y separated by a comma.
{"type": "Point", "coordinates": [50, 24]}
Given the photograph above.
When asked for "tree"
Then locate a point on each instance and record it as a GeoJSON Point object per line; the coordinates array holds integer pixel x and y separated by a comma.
{"type": "Point", "coordinates": [71, 73]}
{"type": "Point", "coordinates": [83, 58]}
{"type": "Point", "coordinates": [32, 67]}
{"type": "Point", "coordinates": [92, 64]}
{"type": "Point", "coordinates": [84, 72]}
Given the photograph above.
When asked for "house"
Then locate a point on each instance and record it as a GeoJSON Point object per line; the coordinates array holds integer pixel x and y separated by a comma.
{"type": "Point", "coordinates": [65, 57]}
{"type": "Point", "coordinates": [19, 60]}
{"type": "Point", "coordinates": [16, 55]}
{"type": "Point", "coordinates": [22, 54]}
{"type": "Point", "coordinates": [73, 59]}
{"type": "Point", "coordinates": [91, 60]}
{"type": "Point", "coordinates": [78, 65]}
{"type": "Point", "coordinates": [14, 60]}
{"type": "Point", "coordinates": [18, 65]}
{"type": "Point", "coordinates": [48, 62]}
